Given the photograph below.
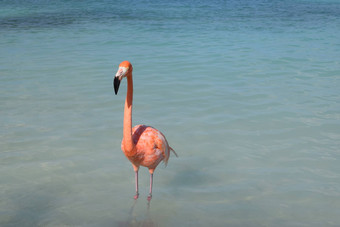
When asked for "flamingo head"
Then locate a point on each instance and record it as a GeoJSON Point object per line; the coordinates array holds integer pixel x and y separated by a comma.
{"type": "Point", "coordinates": [124, 70]}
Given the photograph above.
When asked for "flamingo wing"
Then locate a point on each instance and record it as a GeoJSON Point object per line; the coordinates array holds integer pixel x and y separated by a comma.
{"type": "Point", "coordinates": [151, 145]}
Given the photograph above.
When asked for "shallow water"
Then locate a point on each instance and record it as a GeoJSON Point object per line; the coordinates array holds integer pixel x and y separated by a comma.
{"type": "Point", "coordinates": [247, 93]}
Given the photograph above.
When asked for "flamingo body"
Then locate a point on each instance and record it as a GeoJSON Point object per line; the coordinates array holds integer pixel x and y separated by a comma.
{"type": "Point", "coordinates": [151, 147]}
{"type": "Point", "coordinates": [142, 145]}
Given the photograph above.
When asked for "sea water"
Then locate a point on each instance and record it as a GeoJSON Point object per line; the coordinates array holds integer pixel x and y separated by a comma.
{"type": "Point", "coordinates": [246, 92]}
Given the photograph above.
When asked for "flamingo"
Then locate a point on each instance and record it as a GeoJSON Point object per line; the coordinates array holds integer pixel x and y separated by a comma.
{"type": "Point", "coordinates": [142, 145]}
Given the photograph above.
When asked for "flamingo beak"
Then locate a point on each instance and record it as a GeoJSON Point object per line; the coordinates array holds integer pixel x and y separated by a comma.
{"type": "Point", "coordinates": [122, 71]}
{"type": "Point", "coordinates": [116, 83]}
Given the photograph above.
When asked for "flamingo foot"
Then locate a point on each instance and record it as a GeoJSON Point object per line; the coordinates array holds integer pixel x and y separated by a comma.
{"type": "Point", "coordinates": [136, 196]}
{"type": "Point", "coordinates": [149, 197]}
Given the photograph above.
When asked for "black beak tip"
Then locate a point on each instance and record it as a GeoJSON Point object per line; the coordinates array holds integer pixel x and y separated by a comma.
{"type": "Point", "coordinates": [116, 83]}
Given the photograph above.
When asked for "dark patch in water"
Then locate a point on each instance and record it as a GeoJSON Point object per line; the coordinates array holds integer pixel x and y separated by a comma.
{"type": "Point", "coordinates": [262, 15]}
{"type": "Point", "coordinates": [37, 21]}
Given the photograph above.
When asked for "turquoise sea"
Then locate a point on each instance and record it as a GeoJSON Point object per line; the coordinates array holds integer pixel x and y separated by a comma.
{"type": "Point", "coordinates": [246, 91]}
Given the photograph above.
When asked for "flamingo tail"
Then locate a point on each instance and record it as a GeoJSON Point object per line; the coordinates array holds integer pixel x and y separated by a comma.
{"type": "Point", "coordinates": [167, 158]}
{"type": "Point", "coordinates": [173, 151]}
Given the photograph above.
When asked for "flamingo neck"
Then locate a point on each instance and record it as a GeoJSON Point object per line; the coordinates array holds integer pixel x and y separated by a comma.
{"type": "Point", "coordinates": [128, 143]}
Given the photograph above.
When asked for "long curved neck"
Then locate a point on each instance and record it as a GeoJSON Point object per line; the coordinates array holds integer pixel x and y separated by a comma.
{"type": "Point", "coordinates": [129, 145]}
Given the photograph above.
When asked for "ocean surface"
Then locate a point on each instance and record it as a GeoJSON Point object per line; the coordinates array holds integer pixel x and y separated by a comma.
{"type": "Point", "coordinates": [246, 92]}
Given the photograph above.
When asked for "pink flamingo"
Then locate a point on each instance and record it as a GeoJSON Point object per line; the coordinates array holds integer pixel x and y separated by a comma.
{"type": "Point", "coordinates": [142, 145]}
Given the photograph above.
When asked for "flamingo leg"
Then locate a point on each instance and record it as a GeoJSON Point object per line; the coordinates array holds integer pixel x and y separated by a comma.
{"type": "Point", "coordinates": [150, 192]}
{"type": "Point", "coordinates": [136, 181]}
